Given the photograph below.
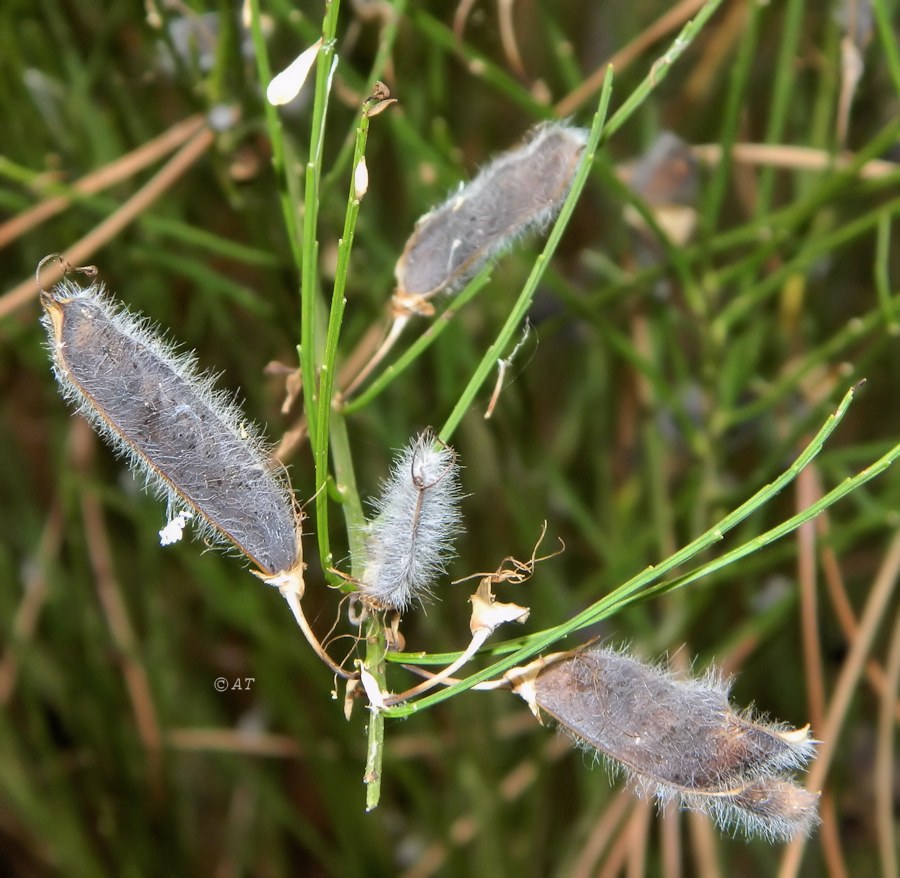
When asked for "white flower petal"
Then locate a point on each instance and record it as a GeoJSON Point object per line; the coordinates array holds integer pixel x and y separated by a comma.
{"type": "Point", "coordinates": [286, 85]}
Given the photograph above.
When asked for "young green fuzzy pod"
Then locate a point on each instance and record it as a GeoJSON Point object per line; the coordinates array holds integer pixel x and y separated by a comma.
{"type": "Point", "coordinates": [417, 518]}
{"type": "Point", "coordinates": [520, 190]}
{"type": "Point", "coordinates": [680, 739]}
{"type": "Point", "coordinates": [188, 440]}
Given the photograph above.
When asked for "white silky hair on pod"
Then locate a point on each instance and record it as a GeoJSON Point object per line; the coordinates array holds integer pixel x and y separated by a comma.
{"type": "Point", "coordinates": [519, 190]}
{"type": "Point", "coordinates": [679, 739]}
{"type": "Point", "coordinates": [417, 518]}
{"type": "Point", "coordinates": [188, 440]}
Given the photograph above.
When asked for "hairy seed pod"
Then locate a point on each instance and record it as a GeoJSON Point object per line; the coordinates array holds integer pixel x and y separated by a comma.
{"type": "Point", "coordinates": [417, 518]}
{"type": "Point", "coordinates": [520, 190]}
{"type": "Point", "coordinates": [680, 739]}
{"type": "Point", "coordinates": [188, 440]}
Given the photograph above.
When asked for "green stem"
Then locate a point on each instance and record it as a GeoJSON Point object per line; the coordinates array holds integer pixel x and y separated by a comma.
{"type": "Point", "coordinates": [660, 68]}
{"type": "Point", "coordinates": [523, 303]}
{"type": "Point", "coordinates": [310, 304]}
{"type": "Point", "coordinates": [421, 344]}
{"type": "Point", "coordinates": [639, 585]}
{"type": "Point", "coordinates": [328, 368]}
{"type": "Point", "coordinates": [376, 647]}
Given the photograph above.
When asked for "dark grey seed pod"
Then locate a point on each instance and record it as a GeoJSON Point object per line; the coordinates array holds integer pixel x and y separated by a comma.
{"type": "Point", "coordinates": [520, 190]}
{"type": "Point", "coordinates": [680, 738]}
{"type": "Point", "coordinates": [187, 439]}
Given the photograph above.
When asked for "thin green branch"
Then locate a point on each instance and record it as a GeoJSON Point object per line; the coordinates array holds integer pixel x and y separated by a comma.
{"type": "Point", "coordinates": [310, 304]}
{"type": "Point", "coordinates": [328, 368]}
{"type": "Point", "coordinates": [421, 344]}
{"type": "Point", "coordinates": [523, 303]}
{"type": "Point", "coordinates": [660, 69]}
{"type": "Point", "coordinates": [640, 584]}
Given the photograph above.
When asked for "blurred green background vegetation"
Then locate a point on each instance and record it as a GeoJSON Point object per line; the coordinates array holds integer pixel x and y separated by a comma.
{"type": "Point", "coordinates": [661, 385]}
